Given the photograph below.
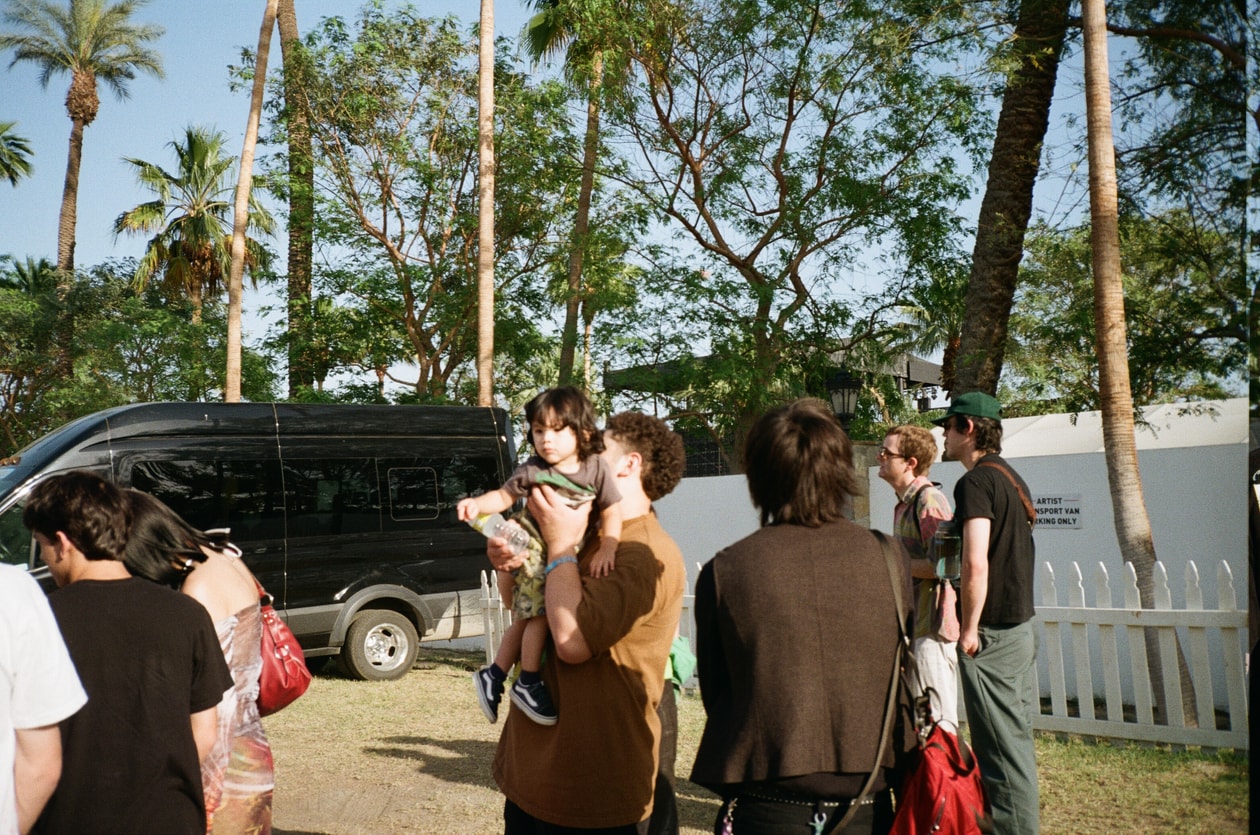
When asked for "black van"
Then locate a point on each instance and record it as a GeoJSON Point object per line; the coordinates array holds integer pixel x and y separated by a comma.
{"type": "Point", "coordinates": [345, 513]}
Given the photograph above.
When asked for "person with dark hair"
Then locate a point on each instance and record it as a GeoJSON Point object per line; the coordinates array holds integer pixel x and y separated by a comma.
{"type": "Point", "coordinates": [797, 637]}
{"type": "Point", "coordinates": [148, 659]}
{"type": "Point", "coordinates": [905, 459]}
{"type": "Point", "coordinates": [597, 769]}
{"type": "Point", "coordinates": [238, 774]}
{"type": "Point", "coordinates": [566, 456]}
{"type": "Point", "coordinates": [997, 646]}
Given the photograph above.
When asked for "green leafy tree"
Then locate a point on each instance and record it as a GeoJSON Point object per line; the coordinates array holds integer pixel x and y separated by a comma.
{"type": "Point", "coordinates": [15, 154]}
{"type": "Point", "coordinates": [190, 220]}
{"type": "Point", "coordinates": [90, 40]}
{"type": "Point", "coordinates": [130, 346]}
{"type": "Point", "coordinates": [780, 140]}
{"type": "Point", "coordinates": [1185, 313]}
{"type": "Point", "coordinates": [393, 106]}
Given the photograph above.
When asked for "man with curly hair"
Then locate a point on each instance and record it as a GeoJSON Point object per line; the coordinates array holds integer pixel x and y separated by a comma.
{"type": "Point", "coordinates": [597, 767]}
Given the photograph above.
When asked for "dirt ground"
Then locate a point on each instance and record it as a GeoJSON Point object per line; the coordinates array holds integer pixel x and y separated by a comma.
{"type": "Point", "coordinates": [410, 756]}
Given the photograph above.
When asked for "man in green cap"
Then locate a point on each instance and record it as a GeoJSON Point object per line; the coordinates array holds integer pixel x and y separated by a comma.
{"type": "Point", "coordinates": [997, 645]}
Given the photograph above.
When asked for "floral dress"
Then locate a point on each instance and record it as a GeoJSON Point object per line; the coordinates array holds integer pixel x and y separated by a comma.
{"type": "Point", "coordinates": [238, 775]}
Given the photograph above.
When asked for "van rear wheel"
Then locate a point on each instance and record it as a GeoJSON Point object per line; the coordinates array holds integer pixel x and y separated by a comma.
{"type": "Point", "coordinates": [381, 645]}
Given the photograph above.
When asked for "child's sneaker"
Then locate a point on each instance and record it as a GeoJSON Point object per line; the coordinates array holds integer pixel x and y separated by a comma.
{"type": "Point", "coordinates": [534, 700]}
{"type": "Point", "coordinates": [489, 693]}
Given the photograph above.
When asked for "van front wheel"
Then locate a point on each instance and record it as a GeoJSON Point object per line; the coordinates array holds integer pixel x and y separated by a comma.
{"type": "Point", "coordinates": [381, 645]}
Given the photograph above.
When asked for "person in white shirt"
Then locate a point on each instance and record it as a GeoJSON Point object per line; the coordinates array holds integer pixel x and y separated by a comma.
{"type": "Point", "coordinates": [38, 688]}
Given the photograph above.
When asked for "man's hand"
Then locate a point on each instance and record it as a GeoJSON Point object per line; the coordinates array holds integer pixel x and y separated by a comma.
{"type": "Point", "coordinates": [501, 555]}
{"type": "Point", "coordinates": [969, 642]}
{"type": "Point", "coordinates": [561, 526]}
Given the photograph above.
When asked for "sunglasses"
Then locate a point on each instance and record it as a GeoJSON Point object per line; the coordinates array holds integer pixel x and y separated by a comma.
{"type": "Point", "coordinates": [885, 452]}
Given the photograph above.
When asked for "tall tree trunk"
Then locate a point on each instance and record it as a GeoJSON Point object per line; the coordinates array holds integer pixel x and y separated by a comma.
{"type": "Point", "coordinates": [69, 208]}
{"type": "Point", "coordinates": [1008, 194]}
{"type": "Point", "coordinates": [240, 217]}
{"type": "Point", "coordinates": [1133, 526]}
{"type": "Point", "coordinates": [301, 210]}
{"type": "Point", "coordinates": [581, 223]}
{"type": "Point", "coordinates": [485, 195]}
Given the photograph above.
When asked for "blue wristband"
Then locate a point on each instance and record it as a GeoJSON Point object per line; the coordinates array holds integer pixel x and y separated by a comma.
{"type": "Point", "coordinates": [557, 562]}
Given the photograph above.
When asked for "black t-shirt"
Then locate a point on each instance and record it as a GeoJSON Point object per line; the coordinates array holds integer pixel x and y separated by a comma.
{"type": "Point", "coordinates": [986, 492]}
{"type": "Point", "coordinates": [148, 658]}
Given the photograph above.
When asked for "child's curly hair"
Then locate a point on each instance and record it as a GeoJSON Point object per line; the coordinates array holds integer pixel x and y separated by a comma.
{"type": "Point", "coordinates": [567, 407]}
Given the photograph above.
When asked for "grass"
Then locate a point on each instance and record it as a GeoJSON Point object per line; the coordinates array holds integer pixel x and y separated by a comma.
{"type": "Point", "coordinates": [413, 756]}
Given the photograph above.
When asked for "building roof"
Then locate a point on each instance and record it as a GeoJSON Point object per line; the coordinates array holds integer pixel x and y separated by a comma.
{"type": "Point", "coordinates": [1167, 426]}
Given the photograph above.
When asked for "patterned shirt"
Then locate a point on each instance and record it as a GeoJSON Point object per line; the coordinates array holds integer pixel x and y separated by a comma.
{"type": "Point", "coordinates": [933, 508]}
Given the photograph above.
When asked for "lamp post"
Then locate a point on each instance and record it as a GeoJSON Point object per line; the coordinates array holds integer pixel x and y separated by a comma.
{"type": "Point", "coordinates": [844, 388]}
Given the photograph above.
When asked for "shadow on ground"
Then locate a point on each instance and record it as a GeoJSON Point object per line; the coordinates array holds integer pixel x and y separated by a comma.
{"type": "Point", "coordinates": [455, 760]}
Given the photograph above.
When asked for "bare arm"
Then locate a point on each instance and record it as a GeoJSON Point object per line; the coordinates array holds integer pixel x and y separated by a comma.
{"type": "Point", "coordinates": [205, 728]}
{"type": "Point", "coordinates": [496, 501]}
{"type": "Point", "coordinates": [562, 527]}
{"type": "Point", "coordinates": [605, 558]}
{"type": "Point", "coordinates": [975, 580]}
{"type": "Point", "coordinates": [36, 770]}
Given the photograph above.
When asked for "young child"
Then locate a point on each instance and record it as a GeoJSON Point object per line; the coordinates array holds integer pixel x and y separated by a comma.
{"type": "Point", "coordinates": [566, 445]}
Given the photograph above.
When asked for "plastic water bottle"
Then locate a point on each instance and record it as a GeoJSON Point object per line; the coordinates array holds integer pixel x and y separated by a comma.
{"type": "Point", "coordinates": [493, 524]}
{"type": "Point", "coordinates": [946, 551]}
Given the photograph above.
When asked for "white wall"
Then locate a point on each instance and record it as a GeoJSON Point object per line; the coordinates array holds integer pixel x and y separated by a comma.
{"type": "Point", "coordinates": [1194, 496]}
{"type": "Point", "coordinates": [704, 515]}
{"type": "Point", "coordinates": [1196, 502]}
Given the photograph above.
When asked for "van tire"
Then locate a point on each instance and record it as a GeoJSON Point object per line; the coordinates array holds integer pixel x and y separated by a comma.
{"type": "Point", "coordinates": [381, 645]}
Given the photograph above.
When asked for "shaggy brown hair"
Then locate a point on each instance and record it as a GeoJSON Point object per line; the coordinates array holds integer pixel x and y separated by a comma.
{"type": "Point", "coordinates": [800, 465]}
{"type": "Point", "coordinates": [89, 510]}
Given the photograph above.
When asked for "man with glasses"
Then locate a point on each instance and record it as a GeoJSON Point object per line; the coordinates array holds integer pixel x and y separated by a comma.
{"type": "Point", "coordinates": [996, 645]}
{"type": "Point", "coordinates": [905, 460]}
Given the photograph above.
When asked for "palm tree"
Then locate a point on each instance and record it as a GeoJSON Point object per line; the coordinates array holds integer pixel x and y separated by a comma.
{"type": "Point", "coordinates": [1132, 523]}
{"type": "Point", "coordinates": [1007, 205]}
{"type": "Point", "coordinates": [301, 187]}
{"type": "Point", "coordinates": [485, 207]}
{"type": "Point", "coordinates": [241, 209]}
{"type": "Point", "coordinates": [90, 40]}
{"type": "Point", "coordinates": [15, 154]}
{"type": "Point", "coordinates": [546, 34]}
{"type": "Point", "coordinates": [35, 278]}
{"type": "Point", "coordinates": [190, 219]}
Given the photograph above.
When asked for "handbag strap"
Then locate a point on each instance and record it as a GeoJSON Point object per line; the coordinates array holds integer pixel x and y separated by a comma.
{"type": "Point", "coordinates": [1029, 510]}
{"type": "Point", "coordinates": [264, 597]}
{"type": "Point", "coordinates": [890, 703]}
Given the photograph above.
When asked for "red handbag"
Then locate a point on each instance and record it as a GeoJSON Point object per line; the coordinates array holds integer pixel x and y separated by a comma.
{"type": "Point", "coordinates": [284, 675]}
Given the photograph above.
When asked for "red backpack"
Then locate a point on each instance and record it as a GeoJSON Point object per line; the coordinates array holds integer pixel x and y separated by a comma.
{"type": "Point", "coordinates": [943, 792]}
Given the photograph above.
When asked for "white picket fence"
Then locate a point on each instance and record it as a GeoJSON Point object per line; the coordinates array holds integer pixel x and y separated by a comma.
{"type": "Point", "coordinates": [1212, 640]}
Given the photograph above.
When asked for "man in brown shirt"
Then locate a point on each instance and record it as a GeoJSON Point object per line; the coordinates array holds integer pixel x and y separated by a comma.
{"type": "Point", "coordinates": [596, 768]}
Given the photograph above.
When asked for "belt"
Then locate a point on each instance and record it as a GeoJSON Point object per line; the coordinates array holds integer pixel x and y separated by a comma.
{"type": "Point", "coordinates": [771, 796]}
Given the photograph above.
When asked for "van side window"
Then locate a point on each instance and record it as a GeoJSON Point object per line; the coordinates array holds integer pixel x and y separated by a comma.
{"type": "Point", "coordinates": [245, 496]}
{"type": "Point", "coordinates": [428, 488]}
{"type": "Point", "coordinates": [413, 493]}
{"type": "Point", "coordinates": [332, 496]}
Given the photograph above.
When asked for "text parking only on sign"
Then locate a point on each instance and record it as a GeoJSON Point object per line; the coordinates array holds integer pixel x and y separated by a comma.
{"type": "Point", "coordinates": [1059, 511]}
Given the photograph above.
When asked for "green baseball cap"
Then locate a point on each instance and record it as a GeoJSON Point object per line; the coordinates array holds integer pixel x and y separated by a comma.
{"type": "Point", "coordinates": [972, 404]}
